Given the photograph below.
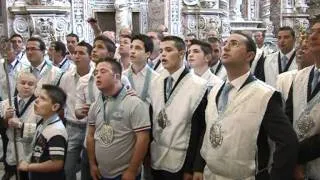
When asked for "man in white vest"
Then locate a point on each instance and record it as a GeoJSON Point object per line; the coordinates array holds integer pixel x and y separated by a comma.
{"type": "Point", "coordinates": [305, 104]}
{"type": "Point", "coordinates": [154, 60]}
{"type": "Point", "coordinates": [282, 60]}
{"type": "Point", "coordinates": [58, 55]}
{"type": "Point", "coordinates": [178, 99]}
{"type": "Point", "coordinates": [199, 58]}
{"type": "Point", "coordinates": [44, 70]}
{"type": "Point", "coordinates": [18, 46]}
{"type": "Point", "coordinates": [215, 64]}
{"type": "Point", "coordinates": [241, 113]}
{"type": "Point", "coordinates": [304, 59]}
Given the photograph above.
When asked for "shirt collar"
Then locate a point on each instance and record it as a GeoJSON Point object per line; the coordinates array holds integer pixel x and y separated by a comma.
{"type": "Point", "coordinates": [214, 67]}
{"type": "Point", "coordinates": [288, 54]}
{"type": "Point", "coordinates": [63, 61]}
{"type": "Point", "coordinates": [206, 74]}
{"type": "Point", "coordinates": [40, 66]}
{"type": "Point", "coordinates": [155, 60]}
{"type": "Point", "coordinates": [143, 71]}
{"type": "Point", "coordinates": [238, 82]}
{"type": "Point", "coordinates": [13, 63]}
{"type": "Point", "coordinates": [24, 99]}
{"type": "Point", "coordinates": [53, 118]}
{"type": "Point", "coordinates": [177, 74]}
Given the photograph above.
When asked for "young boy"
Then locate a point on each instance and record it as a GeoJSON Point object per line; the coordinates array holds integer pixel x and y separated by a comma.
{"type": "Point", "coordinates": [22, 117]}
{"type": "Point", "coordinates": [199, 58]}
{"type": "Point", "coordinates": [50, 141]}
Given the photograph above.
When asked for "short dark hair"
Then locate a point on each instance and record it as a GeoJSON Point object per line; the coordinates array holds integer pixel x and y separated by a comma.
{"type": "Point", "coordinates": [205, 47]}
{"type": "Point", "coordinates": [116, 66]}
{"type": "Point", "coordinates": [126, 36]}
{"type": "Point", "coordinates": [16, 35]}
{"type": "Point", "coordinates": [287, 28]}
{"type": "Point", "coordinates": [213, 40]}
{"type": "Point", "coordinates": [59, 47]}
{"type": "Point", "coordinates": [108, 43]}
{"type": "Point", "coordinates": [73, 35]}
{"type": "Point", "coordinates": [87, 45]}
{"type": "Point", "coordinates": [178, 42]}
{"type": "Point", "coordinates": [159, 34]}
{"type": "Point", "coordinates": [42, 45]}
{"type": "Point", "coordinates": [250, 44]}
{"type": "Point", "coordinates": [147, 41]}
{"type": "Point", "coordinates": [56, 94]}
{"type": "Point", "coordinates": [192, 34]}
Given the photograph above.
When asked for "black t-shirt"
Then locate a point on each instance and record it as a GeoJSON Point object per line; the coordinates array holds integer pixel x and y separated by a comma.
{"type": "Point", "coordinates": [51, 144]}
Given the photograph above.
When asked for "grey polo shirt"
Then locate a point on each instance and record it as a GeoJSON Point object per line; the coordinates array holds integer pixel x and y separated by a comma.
{"type": "Point", "coordinates": [129, 117]}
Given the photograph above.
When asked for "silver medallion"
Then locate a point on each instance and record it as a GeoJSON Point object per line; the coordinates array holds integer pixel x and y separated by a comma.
{"type": "Point", "coordinates": [162, 119]}
{"type": "Point", "coordinates": [304, 125]}
{"type": "Point", "coordinates": [106, 134]}
{"type": "Point", "coordinates": [215, 135]}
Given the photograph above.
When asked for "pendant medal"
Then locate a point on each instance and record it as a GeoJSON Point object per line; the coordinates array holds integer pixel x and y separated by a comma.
{"type": "Point", "coordinates": [163, 119]}
{"type": "Point", "coordinates": [106, 134]}
{"type": "Point", "coordinates": [215, 136]}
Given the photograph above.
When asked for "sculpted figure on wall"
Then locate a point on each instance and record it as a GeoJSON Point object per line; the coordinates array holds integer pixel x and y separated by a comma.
{"type": "Point", "coordinates": [123, 16]}
{"type": "Point", "coordinates": [49, 2]}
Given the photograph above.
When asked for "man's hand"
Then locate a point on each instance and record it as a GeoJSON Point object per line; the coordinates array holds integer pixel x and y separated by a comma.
{"type": "Point", "coordinates": [187, 176]}
{"type": "Point", "coordinates": [95, 173]}
{"type": "Point", "coordinates": [197, 176]}
{"type": "Point", "coordinates": [9, 113]}
{"type": "Point", "coordinates": [23, 166]}
{"type": "Point", "coordinates": [83, 111]}
{"type": "Point", "coordinates": [14, 123]}
{"type": "Point", "coordinates": [131, 92]}
{"type": "Point", "coordinates": [128, 175]}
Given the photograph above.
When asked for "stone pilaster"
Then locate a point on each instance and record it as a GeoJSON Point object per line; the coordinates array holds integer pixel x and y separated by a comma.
{"type": "Point", "coordinates": [49, 20]}
{"type": "Point", "coordinates": [155, 13]}
{"type": "Point", "coordinates": [173, 14]}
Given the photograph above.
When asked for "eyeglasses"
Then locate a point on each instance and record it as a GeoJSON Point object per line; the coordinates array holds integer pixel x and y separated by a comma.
{"type": "Point", "coordinates": [33, 49]}
{"type": "Point", "coordinates": [232, 44]}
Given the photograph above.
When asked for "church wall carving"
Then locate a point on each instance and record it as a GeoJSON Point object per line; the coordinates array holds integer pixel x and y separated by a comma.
{"type": "Point", "coordinates": [60, 17]}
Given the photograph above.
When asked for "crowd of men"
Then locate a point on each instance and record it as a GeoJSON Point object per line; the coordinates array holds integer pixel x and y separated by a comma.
{"type": "Point", "coordinates": [156, 106]}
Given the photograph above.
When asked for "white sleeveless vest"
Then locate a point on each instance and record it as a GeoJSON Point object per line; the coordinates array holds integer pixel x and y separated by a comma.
{"type": "Point", "coordinates": [306, 123]}
{"type": "Point", "coordinates": [24, 144]}
{"type": "Point", "coordinates": [284, 82]}
{"type": "Point", "coordinates": [230, 142]}
{"type": "Point", "coordinates": [169, 146]}
{"type": "Point", "coordinates": [271, 69]}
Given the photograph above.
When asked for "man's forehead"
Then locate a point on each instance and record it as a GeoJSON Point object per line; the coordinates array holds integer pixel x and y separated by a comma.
{"type": "Point", "coordinates": [70, 38]}
{"type": "Point", "coordinates": [16, 39]}
{"type": "Point", "coordinates": [195, 46]}
{"type": "Point", "coordinates": [167, 44]}
{"type": "Point", "coordinates": [236, 37]}
{"type": "Point", "coordinates": [33, 43]}
{"type": "Point", "coordinates": [104, 65]}
{"type": "Point", "coordinates": [284, 33]}
{"type": "Point", "coordinates": [81, 48]}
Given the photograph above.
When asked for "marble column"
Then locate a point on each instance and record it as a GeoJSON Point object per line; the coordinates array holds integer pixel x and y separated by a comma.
{"type": "Point", "coordinates": [235, 10]}
{"type": "Point", "coordinates": [173, 16]}
{"type": "Point", "coordinates": [265, 15]}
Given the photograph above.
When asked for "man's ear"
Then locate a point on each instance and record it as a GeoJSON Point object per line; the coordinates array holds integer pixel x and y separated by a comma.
{"type": "Point", "coordinates": [208, 58]}
{"type": "Point", "coordinates": [250, 56]}
{"type": "Point", "coordinates": [55, 107]}
{"type": "Point", "coordinates": [182, 53]}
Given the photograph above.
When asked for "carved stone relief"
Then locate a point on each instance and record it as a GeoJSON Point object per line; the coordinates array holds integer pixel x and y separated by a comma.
{"type": "Point", "coordinates": [156, 14]}
{"type": "Point", "coordinates": [201, 24]}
